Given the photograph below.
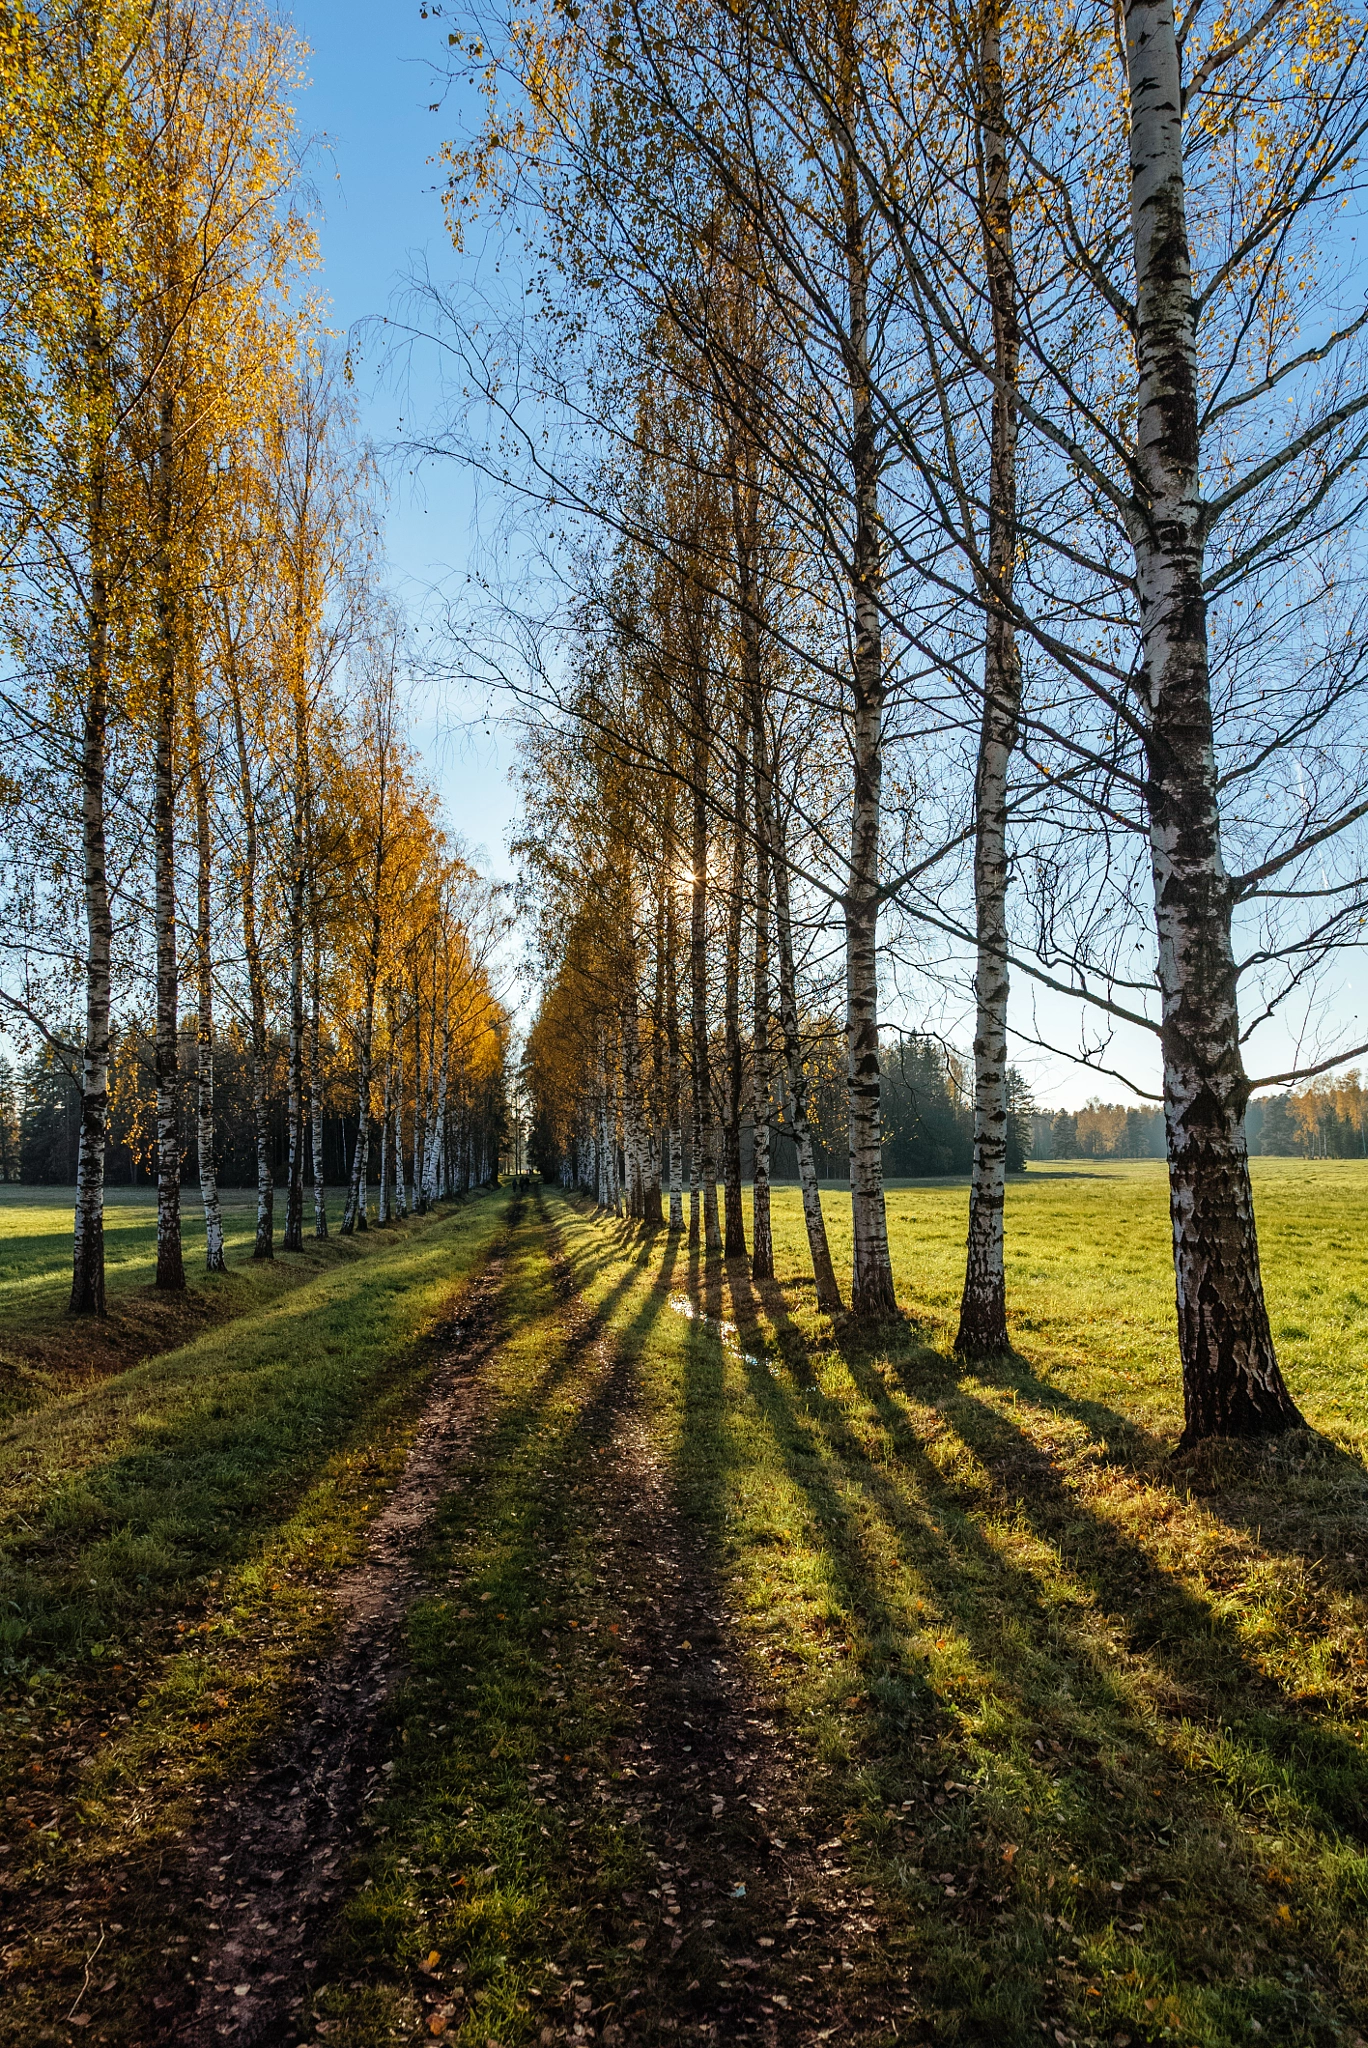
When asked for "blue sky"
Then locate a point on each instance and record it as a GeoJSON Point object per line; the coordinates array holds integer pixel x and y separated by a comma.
{"type": "Point", "coordinates": [373, 84]}
{"type": "Point", "coordinates": [376, 73]}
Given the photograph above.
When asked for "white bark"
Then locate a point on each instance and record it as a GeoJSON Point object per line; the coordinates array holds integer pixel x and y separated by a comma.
{"type": "Point", "coordinates": [204, 1022]}
{"type": "Point", "coordinates": [88, 1264]}
{"type": "Point", "coordinates": [871, 1292]}
{"type": "Point", "coordinates": [1231, 1381]}
{"type": "Point", "coordinates": [983, 1308]}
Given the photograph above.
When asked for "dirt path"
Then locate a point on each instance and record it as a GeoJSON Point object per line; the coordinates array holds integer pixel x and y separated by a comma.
{"type": "Point", "coordinates": [747, 1925]}
{"type": "Point", "coordinates": [752, 1928]}
{"type": "Point", "coordinates": [268, 1866]}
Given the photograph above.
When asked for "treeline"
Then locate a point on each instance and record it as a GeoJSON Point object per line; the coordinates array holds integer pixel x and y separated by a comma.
{"type": "Point", "coordinates": [40, 1120]}
{"type": "Point", "coordinates": [944, 432]}
{"type": "Point", "coordinates": [209, 808]}
{"type": "Point", "coordinates": [1328, 1119]}
{"type": "Point", "coordinates": [1100, 1130]}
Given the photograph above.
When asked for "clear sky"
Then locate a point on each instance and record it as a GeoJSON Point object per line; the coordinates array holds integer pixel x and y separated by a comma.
{"type": "Point", "coordinates": [373, 84]}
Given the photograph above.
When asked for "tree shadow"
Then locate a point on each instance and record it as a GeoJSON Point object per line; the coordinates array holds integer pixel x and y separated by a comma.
{"type": "Point", "coordinates": [1136, 1680]}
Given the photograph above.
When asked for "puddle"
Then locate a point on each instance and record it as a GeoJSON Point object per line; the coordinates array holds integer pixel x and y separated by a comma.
{"type": "Point", "coordinates": [682, 1306]}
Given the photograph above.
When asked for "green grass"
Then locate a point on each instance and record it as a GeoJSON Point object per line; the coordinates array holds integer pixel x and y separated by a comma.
{"type": "Point", "coordinates": [475, 1879]}
{"type": "Point", "coordinates": [1148, 1672]}
{"type": "Point", "coordinates": [36, 1236]}
{"type": "Point", "coordinates": [45, 1352]}
{"type": "Point", "coordinates": [168, 1539]}
{"type": "Point", "coordinates": [1088, 1717]}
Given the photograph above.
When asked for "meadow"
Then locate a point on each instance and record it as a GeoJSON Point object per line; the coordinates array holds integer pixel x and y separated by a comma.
{"type": "Point", "coordinates": [43, 1351]}
{"type": "Point", "coordinates": [1055, 1733]}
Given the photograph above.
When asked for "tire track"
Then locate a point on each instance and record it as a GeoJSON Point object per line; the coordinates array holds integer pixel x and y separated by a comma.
{"type": "Point", "coordinates": [272, 1866]}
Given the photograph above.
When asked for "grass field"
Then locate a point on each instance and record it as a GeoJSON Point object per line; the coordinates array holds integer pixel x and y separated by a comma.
{"type": "Point", "coordinates": [44, 1351]}
{"type": "Point", "coordinates": [1079, 1723]}
{"type": "Point", "coordinates": [1090, 1279]}
{"type": "Point", "coordinates": [1086, 1720]}
{"type": "Point", "coordinates": [167, 1539]}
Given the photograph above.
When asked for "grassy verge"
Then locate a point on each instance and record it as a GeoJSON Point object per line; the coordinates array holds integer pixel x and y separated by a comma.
{"type": "Point", "coordinates": [45, 1352]}
{"type": "Point", "coordinates": [1082, 1723]}
{"type": "Point", "coordinates": [167, 1542]}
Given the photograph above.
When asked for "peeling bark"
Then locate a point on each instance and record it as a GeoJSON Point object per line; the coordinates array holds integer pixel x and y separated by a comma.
{"type": "Point", "coordinates": [170, 1264]}
{"type": "Point", "coordinates": [983, 1307]}
{"type": "Point", "coordinates": [871, 1291]}
{"type": "Point", "coordinates": [1231, 1382]}
{"type": "Point", "coordinates": [88, 1264]}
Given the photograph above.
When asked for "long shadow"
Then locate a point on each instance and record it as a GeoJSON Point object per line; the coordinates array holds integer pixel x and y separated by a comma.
{"type": "Point", "coordinates": [1242, 1484]}
{"type": "Point", "coordinates": [1201, 1650]}
{"type": "Point", "coordinates": [204, 1489]}
{"type": "Point", "coordinates": [937, 1533]}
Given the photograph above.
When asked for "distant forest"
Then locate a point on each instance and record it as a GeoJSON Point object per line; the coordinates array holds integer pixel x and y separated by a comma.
{"type": "Point", "coordinates": [40, 1119]}
{"type": "Point", "coordinates": [927, 1103]}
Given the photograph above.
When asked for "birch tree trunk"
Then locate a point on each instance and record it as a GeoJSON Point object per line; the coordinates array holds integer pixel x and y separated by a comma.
{"type": "Point", "coordinates": [674, 1135]}
{"type": "Point", "coordinates": [1231, 1382]}
{"type": "Point", "coordinates": [170, 1264]}
{"type": "Point", "coordinates": [400, 1184]}
{"type": "Point", "coordinates": [383, 1208]}
{"type": "Point", "coordinates": [734, 1213]}
{"type": "Point", "coordinates": [762, 1256]}
{"type": "Point", "coordinates": [419, 1199]}
{"type": "Point", "coordinates": [293, 1239]}
{"type": "Point", "coordinates": [633, 1134]}
{"type": "Point", "coordinates": [264, 1246]}
{"type": "Point", "coordinates": [659, 1063]}
{"type": "Point", "coordinates": [436, 1143]}
{"type": "Point", "coordinates": [354, 1217]}
{"type": "Point", "coordinates": [823, 1271]}
{"type": "Point", "coordinates": [871, 1292]}
{"type": "Point", "coordinates": [316, 1089]}
{"type": "Point", "coordinates": [705, 1169]}
{"type": "Point", "coordinates": [983, 1307]}
{"type": "Point", "coordinates": [204, 1022]}
{"type": "Point", "coordinates": [88, 1263]}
